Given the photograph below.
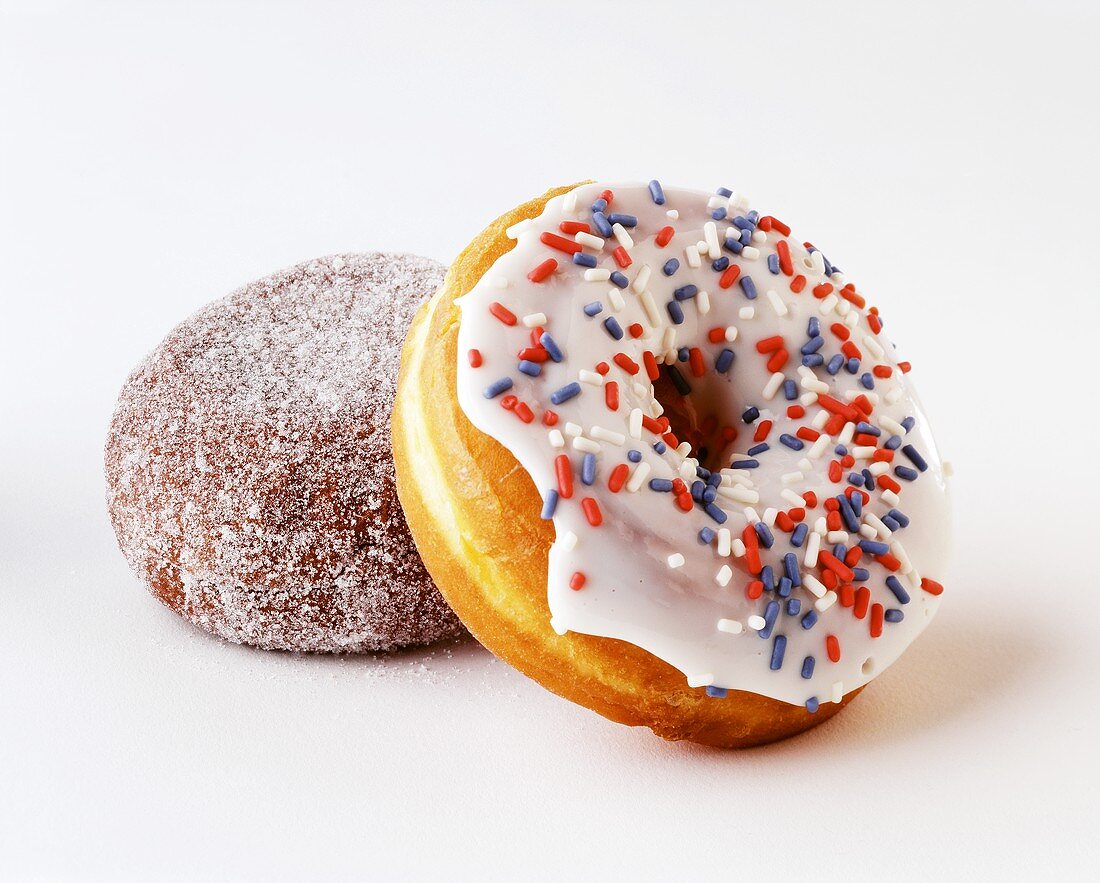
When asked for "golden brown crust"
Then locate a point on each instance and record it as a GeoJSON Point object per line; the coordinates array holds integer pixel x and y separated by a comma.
{"type": "Point", "coordinates": [474, 514]}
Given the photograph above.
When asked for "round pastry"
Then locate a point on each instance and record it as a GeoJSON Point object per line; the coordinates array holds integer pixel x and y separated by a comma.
{"type": "Point", "coordinates": [249, 472]}
{"type": "Point", "coordinates": [659, 456]}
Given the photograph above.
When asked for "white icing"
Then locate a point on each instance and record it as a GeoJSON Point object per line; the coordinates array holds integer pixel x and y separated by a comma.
{"type": "Point", "coordinates": [648, 578]}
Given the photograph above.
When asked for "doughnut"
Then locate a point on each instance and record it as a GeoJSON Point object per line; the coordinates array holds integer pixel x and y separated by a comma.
{"type": "Point", "coordinates": [659, 455]}
{"type": "Point", "coordinates": [250, 480]}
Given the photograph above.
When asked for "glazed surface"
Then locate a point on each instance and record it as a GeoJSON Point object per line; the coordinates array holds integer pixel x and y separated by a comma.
{"type": "Point", "coordinates": [708, 293]}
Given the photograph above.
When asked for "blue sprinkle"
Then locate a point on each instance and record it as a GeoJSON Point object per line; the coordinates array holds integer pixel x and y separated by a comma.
{"type": "Point", "coordinates": [565, 393]}
{"type": "Point", "coordinates": [869, 483]}
{"type": "Point", "coordinates": [909, 423]}
{"type": "Point", "coordinates": [773, 264]}
{"type": "Point", "coordinates": [625, 220]}
{"type": "Point", "coordinates": [683, 354]}
{"type": "Point", "coordinates": [779, 647]}
{"type": "Point", "coordinates": [784, 588]}
{"type": "Point", "coordinates": [706, 536]}
{"type": "Point", "coordinates": [499, 386]}
{"type": "Point", "coordinates": [588, 469]}
{"type": "Point", "coordinates": [594, 308]}
{"type": "Point", "coordinates": [619, 279]}
{"type": "Point", "coordinates": [795, 444]}
{"type": "Point", "coordinates": [856, 500]}
{"type": "Point", "coordinates": [670, 267]}
{"type": "Point", "coordinates": [613, 327]}
{"type": "Point", "coordinates": [664, 485]}
{"type": "Point", "coordinates": [852, 366]}
{"type": "Point", "coordinates": [894, 615]}
{"type": "Point", "coordinates": [746, 237]}
{"type": "Point", "coordinates": [812, 346]}
{"type": "Point", "coordinates": [600, 220]}
{"type": "Point", "coordinates": [809, 620]}
{"type": "Point", "coordinates": [743, 223]}
{"type": "Point", "coordinates": [868, 429]}
{"type": "Point", "coordinates": [713, 692]}
{"type": "Point", "coordinates": [914, 457]}
{"type": "Point", "coordinates": [675, 312]}
{"type": "Point", "coordinates": [771, 614]}
{"type": "Point", "coordinates": [710, 494]}
{"type": "Point", "coordinates": [793, 607]}
{"type": "Point", "coordinates": [550, 504]}
{"type": "Point", "coordinates": [840, 450]}
{"type": "Point", "coordinates": [718, 214]}
{"type": "Point", "coordinates": [860, 574]}
{"type": "Point", "coordinates": [748, 287]}
{"type": "Point", "coordinates": [895, 586]}
{"type": "Point", "coordinates": [798, 537]}
{"type": "Point", "coordinates": [790, 567]}
{"type": "Point", "coordinates": [808, 667]}
{"type": "Point", "coordinates": [656, 192]}
{"type": "Point", "coordinates": [867, 380]}
{"type": "Point", "coordinates": [744, 464]}
{"type": "Point", "coordinates": [767, 577]}
{"type": "Point", "coordinates": [900, 517]}
{"type": "Point", "coordinates": [682, 386]}
{"type": "Point", "coordinates": [813, 327]}
{"type": "Point", "coordinates": [685, 292]}
{"type": "Point", "coordinates": [874, 547]}
{"type": "Point", "coordinates": [893, 443]}
{"type": "Point", "coordinates": [847, 513]}
{"type": "Point", "coordinates": [790, 390]}
{"type": "Point", "coordinates": [767, 538]}
{"type": "Point", "coordinates": [697, 490]}
{"type": "Point", "coordinates": [584, 260]}
{"type": "Point", "coordinates": [758, 449]}
{"type": "Point", "coordinates": [750, 414]}
{"type": "Point", "coordinates": [814, 360]}
{"type": "Point", "coordinates": [600, 205]}
{"type": "Point", "coordinates": [634, 456]}
{"type": "Point", "coordinates": [715, 513]}
{"type": "Point", "coordinates": [812, 705]}
{"type": "Point", "coordinates": [551, 348]}
{"type": "Point", "coordinates": [839, 551]}
{"type": "Point", "coordinates": [891, 523]}
{"type": "Point", "coordinates": [906, 473]}
{"type": "Point", "coordinates": [754, 216]}
{"type": "Point", "coordinates": [835, 364]}
{"type": "Point", "coordinates": [722, 191]}
{"type": "Point", "coordinates": [660, 447]}
{"type": "Point", "coordinates": [855, 479]}
{"type": "Point", "coordinates": [719, 265]}
{"type": "Point", "coordinates": [531, 369]}
{"type": "Point", "coordinates": [735, 246]}
{"type": "Point", "coordinates": [724, 360]}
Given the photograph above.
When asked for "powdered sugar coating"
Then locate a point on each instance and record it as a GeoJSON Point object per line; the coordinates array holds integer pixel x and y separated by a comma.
{"type": "Point", "coordinates": [249, 473]}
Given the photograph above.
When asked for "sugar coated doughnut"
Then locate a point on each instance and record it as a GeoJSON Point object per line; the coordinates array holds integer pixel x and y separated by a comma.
{"type": "Point", "coordinates": [662, 457]}
{"type": "Point", "coordinates": [249, 473]}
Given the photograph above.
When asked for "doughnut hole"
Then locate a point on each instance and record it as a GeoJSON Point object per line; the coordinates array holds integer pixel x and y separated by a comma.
{"type": "Point", "coordinates": [707, 417]}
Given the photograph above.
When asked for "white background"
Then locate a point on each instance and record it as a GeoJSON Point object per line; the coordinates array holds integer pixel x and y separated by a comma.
{"type": "Point", "coordinates": [156, 156]}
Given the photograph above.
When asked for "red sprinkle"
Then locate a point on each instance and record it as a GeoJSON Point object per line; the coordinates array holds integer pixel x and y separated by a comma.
{"type": "Point", "coordinates": [559, 242]}
{"type": "Point", "coordinates": [784, 252]}
{"type": "Point", "coordinates": [754, 590]}
{"type": "Point", "coordinates": [503, 313]}
{"type": "Point", "coordinates": [651, 369]}
{"type": "Point", "coordinates": [770, 344]}
{"type": "Point", "coordinates": [611, 395]}
{"type": "Point", "coordinates": [823, 290]}
{"type": "Point", "coordinates": [863, 600]}
{"type": "Point", "coordinates": [729, 276]}
{"type": "Point", "coordinates": [636, 330]}
{"type": "Point", "coordinates": [549, 418]}
{"type": "Point", "coordinates": [543, 270]}
{"type": "Point", "coordinates": [877, 612]}
{"type": "Point", "coordinates": [564, 470]}
{"type": "Point", "coordinates": [762, 430]}
{"type": "Point", "coordinates": [523, 411]}
{"type": "Point", "coordinates": [836, 565]}
{"type": "Point", "coordinates": [626, 363]}
{"type": "Point", "coordinates": [778, 360]}
{"type": "Point", "coordinates": [621, 257]}
{"type": "Point", "coordinates": [798, 283]}
{"type": "Point", "coordinates": [664, 236]}
{"type": "Point", "coordinates": [475, 358]}
{"type": "Point", "coordinates": [931, 586]}
{"type": "Point", "coordinates": [617, 479]}
{"type": "Point", "coordinates": [776, 224]}
{"type": "Point", "coordinates": [574, 227]}
{"type": "Point", "coordinates": [695, 361]}
{"type": "Point", "coordinates": [832, 648]}
{"type": "Point", "coordinates": [508, 402]}
{"type": "Point", "coordinates": [576, 583]}
{"type": "Point", "coordinates": [592, 511]}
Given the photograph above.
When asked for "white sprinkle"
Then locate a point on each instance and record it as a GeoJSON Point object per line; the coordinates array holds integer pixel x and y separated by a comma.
{"type": "Point", "coordinates": [878, 468]}
{"type": "Point", "coordinates": [731, 334]}
{"type": "Point", "coordinates": [591, 241]}
{"type": "Point", "coordinates": [836, 536]}
{"type": "Point", "coordinates": [700, 680]}
{"type": "Point", "coordinates": [675, 560]}
{"type": "Point", "coordinates": [820, 419]}
{"type": "Point", "coordinates": [557, 626]}
{"type": "Point", "coordinates": [746, 312]}
{"type": "Point", "coordinates": [865, 530]}
{"type": "Point", "coordinates": [724, 542]}
{"type": "Point", "coordinates": [569, 202]}
{"type": "Point", "coordinates": [557, 440]}
{"type": "Point", "coordinates": [650, 308]}
{"type": "Point", "coordinates": [792, 498]}
{"type": "Point", "coordinates": [710, 234]}
{"type": "Point", "coordinates": [568, 541]}
{"type": "Point", "coordinates": [683, 449]}
{"type": "Point", "coordinates": [821, 526]}
{"type": "Point", "coordinates": [730, 626]}
{"type": "Point", "coordinates": [872, 519]}
{"type": "Point", "coordinates": [740, 494]}
{"type": "Point", "coordinates": [702, 302]}
{"type": "Point", "coordinates": [818, 447]}
{"type": "Point", "coordinates": [597, 274]}
{"type": "Point", "coordinates": [823, 604]}
{"type": "Point", "coordinates": [641, 280]}
{"type": "Point", "coordinates": [894, 394]}
{"type": "Point", "coordinates": [772, 386]}
{"type": "Point", "coordinates": [813, 546]}
{"type": "Point", "coordinates": [791, 477]}
{"type": "Point", "coordinates": [751, 515]}
{"type": "Point", "coordinates": [755, 622]}
{"type": "Point", "coordinates": [688, 469]}
{"type": "Point", "coordinates": [805, 465]}
{"type": "Point", "coordinates": [838, 691]}
{"type": "Point", "coordinates": [846, 434]}
{"type": "Point", "coordinates": [572, 429]}
{"type": "Point", "coordinates": [595, 378]}
{"type": "Point", "coordinates": [898, 551]}
{"type": "Point", "coordinates": [813, 584]}
{"type": "Point", "coordinates": [770, 515]}
{"type": "Point", "coordinates": [607, 435]}
{"type": "Point", "coordinates": [580, 443]}
{"type": "Point", "coordinates": [668, 340]}
{"type": "Point", "coordinates": [749, 253]}
{"type": "Point", "coordinates": [673, 214]}
{"type": "Point", "coordinates": [891, 425]}
{"type": "Point", "coordinates": [691, 253]}
{"type": "Point", "coordinates": [616, 298]}
{"type": "Point", "coordinates": [635, 423]}
{"type": "Point", "coordinates": [738, 548]}
{"type": "Point", "coordinates": [826, 306]}
{"type": "Point", "coordinates": [622, 236]}
{"type": "Point", "coordinates": [534, 320]}
{"type": "Point", "coordinates": [890, 498]}
{"type": "Point", "coordinates": [817, 261]}
{"type": "Point", "coordinates": [717, 201]}
{"type": "Point", "coordinates": [863, 452]}
{"type": "Point", "coordinates": [776, 301]}
{"type": "Point", "coordinates": [813, 384]}
{"type": "Point", "coordinates": [807, 399]}
{"type": "Point", "coordinates": [640, 474]}
{"type": "Point", "coordinates": [725, 574]}
{"type": "Point", "coordinates": [873, 345]}
{"type": "Point", "coordinates": [759, 236]}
